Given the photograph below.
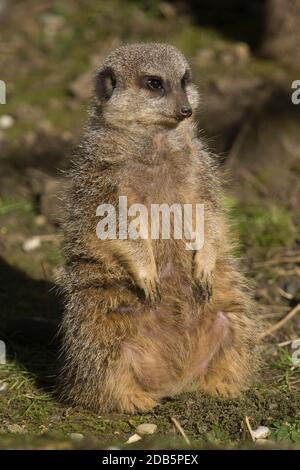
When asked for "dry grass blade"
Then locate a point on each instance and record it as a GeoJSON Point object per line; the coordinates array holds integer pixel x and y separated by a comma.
{"type": "Point", "coordinates": [181, 430]}
{"type": "Point", "coordinates": [278, 325]}
{"type": "Point", "coordinates": [249, 428]}
{"type": "Point", "coordinates": [277, 261]}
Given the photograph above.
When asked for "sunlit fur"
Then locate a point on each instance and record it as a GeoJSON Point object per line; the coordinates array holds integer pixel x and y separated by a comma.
{"type": "Point", "coordinates": [149, 319]}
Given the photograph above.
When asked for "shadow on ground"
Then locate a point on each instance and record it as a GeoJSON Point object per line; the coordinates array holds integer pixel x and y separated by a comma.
{"type": "Point", "coordinates": [30, 312]}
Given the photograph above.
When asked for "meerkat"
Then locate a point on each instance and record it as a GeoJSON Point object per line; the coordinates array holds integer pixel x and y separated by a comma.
{"type": "Point", "coordinates": [147, 318]}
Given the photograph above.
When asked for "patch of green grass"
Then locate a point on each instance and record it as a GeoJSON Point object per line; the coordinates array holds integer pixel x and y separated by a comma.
{"type": "Point", "coordinates": [218, 436]}
{"type": "Point", "coordinates": [191, 39]}
{"type": "Point", "coordinates": [207, 421]}
{"type": "Point", "coordinates": [288, 372]}
{"type": "Point", "coordinates": [52, 253]}
{"type": "Point", "coordinates": [264, 228]}
{"type": "Point", "coordinates": [258, 67]}
{"type": "Point", "coordinates": [16, 213]}
{"type": "Point", "coordinates": [8, 205]}
{"type": "Point", "coordinates": [287, 432]}
{"type": "Point", "coordinates": [18, 217]}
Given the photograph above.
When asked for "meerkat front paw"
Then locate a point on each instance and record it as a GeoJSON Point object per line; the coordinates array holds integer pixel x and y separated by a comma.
{"type": "Point", "coordinates": [204, 276]}
{"type": "Point", "coordinates": [150, 286]}
{"type": "Point", "coordinates": [222, 388]}
{"type": "Point", "coordinates": [204, 284]}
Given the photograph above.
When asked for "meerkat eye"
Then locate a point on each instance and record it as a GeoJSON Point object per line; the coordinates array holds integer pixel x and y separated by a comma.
{"type": "Point", "coordinates": [186, 79]}
{"type": "Point", "coordinates": [154, 83]}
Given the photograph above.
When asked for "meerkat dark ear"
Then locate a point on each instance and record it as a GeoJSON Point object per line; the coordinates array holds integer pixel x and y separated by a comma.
{"type": "Point", "coordinates": [105, 83]}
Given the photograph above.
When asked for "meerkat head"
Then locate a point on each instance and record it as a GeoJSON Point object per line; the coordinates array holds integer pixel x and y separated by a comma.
{"type": "Point", "coordinates": [147, 84]}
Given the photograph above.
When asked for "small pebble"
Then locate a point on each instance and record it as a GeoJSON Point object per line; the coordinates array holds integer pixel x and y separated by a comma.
{"type": "Point", "coordinates": [76, 436]}
{"type": "Point", "coordinates": [31, 244]}
{"type": "Point", "coordinates": [146, 428]}
{"type": "Point", "coordinates": [6, 121]}
{"type": "Point", "coordinates": [262, 432]}
{"type": "Point", "coordinates": [134, 438]}
{"type": "Point", "coordinates": [55, 419]}
{"type": "Point", "coordinates": [40, 220]}
{"type": "Point", "coordinates": [43, 429]}
{"type": "Point", "coordinates": [3, 386]}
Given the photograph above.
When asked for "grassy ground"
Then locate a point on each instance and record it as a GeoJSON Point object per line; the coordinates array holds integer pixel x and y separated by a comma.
{"type": "Point", "coordinates": [52, 45]}
{"type": "Point", "coordinates": [31, 414]}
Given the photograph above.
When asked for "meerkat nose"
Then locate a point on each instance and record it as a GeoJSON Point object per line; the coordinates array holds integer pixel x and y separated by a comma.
{"type": "Point", "coordinates": [185, 112]}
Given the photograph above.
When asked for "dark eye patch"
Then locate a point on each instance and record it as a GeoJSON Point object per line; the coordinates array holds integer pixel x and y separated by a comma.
{"type": "Point", "coordinates": [153, 83]}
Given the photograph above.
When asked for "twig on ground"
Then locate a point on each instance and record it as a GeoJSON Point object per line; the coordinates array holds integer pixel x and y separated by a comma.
{"type": "Point", "coordinates": [181, 430]}
{"type": "Point", "coordinates": [44, 272]}
{"type": "Point", "coordinates": [285, 343]}
{"type": "Point", "coordinates": [284, 294]}
{"type": "Point", "coordinates": [51, 237]}
{"type": "Point", "coordinates": [284, 320]}
{"type": "Point", "coordinates": [287, 272]}
{"type": "Point", "coordinates": [276, 261]}
{"type": "Point", "coordinates": [249, 428]}
{"type": "Point", "coordinates": [277, 315]}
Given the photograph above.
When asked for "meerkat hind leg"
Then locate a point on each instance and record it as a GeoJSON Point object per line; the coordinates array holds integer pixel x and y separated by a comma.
{"type": "Point", "coordinates": [129, 394]}
{"type": "Point", "coordinates": [229, 371]}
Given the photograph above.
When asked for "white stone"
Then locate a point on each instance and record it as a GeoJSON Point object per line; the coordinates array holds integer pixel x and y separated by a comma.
{"type": "Point", "coordinates": [6, 121]}
{"type": "Point", "coordinates": [40, 220]}
{"type": "Point", "coordinates": [134, 438]}
{"type": "Point", "coordinates": [262, 432]}
{"type": "Point", "coordinates": [32, 244]}
{"type": "Point", "coordinates": [146, 428]}
{"type": "Point", "coordinates": [3, 386]}
{"type": "Point", "coordinates": [76, 436]}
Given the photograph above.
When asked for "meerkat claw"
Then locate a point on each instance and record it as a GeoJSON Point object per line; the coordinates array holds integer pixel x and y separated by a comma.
{"type": "Point", "coordinates": [204, 286]}
{"type": "Point", "coordinates": [151, 290]}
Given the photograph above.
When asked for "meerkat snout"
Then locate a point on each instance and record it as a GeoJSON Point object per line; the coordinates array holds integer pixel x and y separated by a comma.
{"type": "Point", "coordinates": [185, 112]}
{"type": "Point", "coordinates": [150, 86]}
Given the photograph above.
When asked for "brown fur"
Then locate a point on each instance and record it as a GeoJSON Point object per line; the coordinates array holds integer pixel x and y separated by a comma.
{"type": "Point", "coordinates": [146, 319]}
